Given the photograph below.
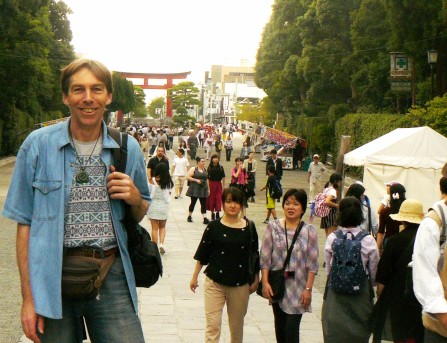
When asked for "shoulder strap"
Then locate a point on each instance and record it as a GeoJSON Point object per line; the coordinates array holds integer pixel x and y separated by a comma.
{"type": "Point", "coordinates": [340, 234]}
{"type": "Point", "coordinates": [360, 235]}
{"type": "Point", "coordinates": [444, 227]}
{"type": "Point", "coordinates": [119, 154]}
{"type": "Point", "coordinates": [289, 251]}
{"type": "Point", "coordinates": [250, 229]}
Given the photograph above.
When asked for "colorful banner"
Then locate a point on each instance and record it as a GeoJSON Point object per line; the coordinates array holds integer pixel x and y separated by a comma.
{"type": "Point", "coordinates": [280, 137]}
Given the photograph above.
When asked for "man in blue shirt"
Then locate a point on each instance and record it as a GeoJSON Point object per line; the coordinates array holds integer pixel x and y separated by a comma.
{"type": "Point", "coordinates": [67, 198]}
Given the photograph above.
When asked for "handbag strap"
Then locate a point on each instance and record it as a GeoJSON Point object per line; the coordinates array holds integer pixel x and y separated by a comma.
{"type": "Point", "coordinates": [250, 230]}
{"type": "Point", "coordinates": [289, 250]}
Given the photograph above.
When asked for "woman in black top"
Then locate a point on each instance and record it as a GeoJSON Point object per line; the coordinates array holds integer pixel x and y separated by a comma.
{"type": "Point", "coordinates": [389, 227]}
{"type": "Point", "coordinates": [394, 295]}
{"type": "Point", "coordinates": [216, 180]}
{"type": "Point", "coordinates": [225, 248]}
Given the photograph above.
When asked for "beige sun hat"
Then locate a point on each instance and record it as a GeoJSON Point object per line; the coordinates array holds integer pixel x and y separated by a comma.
{"type": "Point", "coordinates": [410, 211]}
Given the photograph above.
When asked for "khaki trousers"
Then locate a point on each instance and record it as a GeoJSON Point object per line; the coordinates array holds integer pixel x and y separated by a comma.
{"type": "Point", "coordinates": [236, 298]}
{"type": "Point", "coordinates": [179, 181]}
{"type": "Point", "coordinates": [315, 187]}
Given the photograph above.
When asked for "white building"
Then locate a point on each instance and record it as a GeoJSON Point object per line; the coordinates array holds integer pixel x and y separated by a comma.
{"type": "Point", "coordinates": [225, 86]}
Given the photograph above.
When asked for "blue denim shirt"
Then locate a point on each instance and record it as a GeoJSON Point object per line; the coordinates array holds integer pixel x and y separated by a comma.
{"type": "Point", "coordinates": [38, 193]}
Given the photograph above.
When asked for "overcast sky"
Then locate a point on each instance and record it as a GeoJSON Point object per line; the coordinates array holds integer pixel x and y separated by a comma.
{"type": "Point", "coordinates": [168, 35]}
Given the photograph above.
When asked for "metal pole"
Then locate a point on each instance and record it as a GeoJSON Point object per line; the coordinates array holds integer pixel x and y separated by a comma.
{"type": "Point", "coordinates": [432, 81]}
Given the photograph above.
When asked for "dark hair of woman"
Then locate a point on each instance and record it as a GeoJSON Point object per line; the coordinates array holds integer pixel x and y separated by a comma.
{"type": "Point", "coordinates": [299, 195]}
{"type": "Point", "coordinates": [271, 169]}
{"type": "Point", "coordinates": [211, 165]}
{"type": "Point", "coordinates": [443, 185]}
{"type": "Point", "coordinates": [198, 158]}
{"type": "Point", "coordinates": [334, 178]}
{"type": "Point", "coordinates": [356, 191]}
{"type": "Point", "coordinates": [162, 171]}
{"type": "Point", "coordinates": [350, 212]}
{"type": "Point", "coordinates": [237, 159]}
{"type": "Point", "coordinates": [397, 197]}
{"type": "Point", "coordinates": [233, 194]}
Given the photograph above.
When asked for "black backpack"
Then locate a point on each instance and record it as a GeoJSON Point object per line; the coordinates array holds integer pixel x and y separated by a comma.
{"type": "Point", "coordinates": [276, 190]}
{"type": "Point", "coordinates": [144, 254]}
{"type": "Point", "coordinates": [348, 276]}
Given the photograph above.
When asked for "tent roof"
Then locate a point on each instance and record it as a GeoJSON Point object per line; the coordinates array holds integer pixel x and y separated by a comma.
{"type": "Point", "coordinates": [417, 147]}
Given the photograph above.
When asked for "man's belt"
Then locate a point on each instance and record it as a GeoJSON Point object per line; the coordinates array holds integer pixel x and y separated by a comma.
{"type": "Point", "coordinates": [91, 252]}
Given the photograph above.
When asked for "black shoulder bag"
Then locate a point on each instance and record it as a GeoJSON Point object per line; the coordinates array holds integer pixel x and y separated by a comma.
{"type": "Point", "coordinates": [144, 254]}
{"type": "Point", "coordinates": [253, 255]}
{"type": "Point", "coordinates": [276, 277]}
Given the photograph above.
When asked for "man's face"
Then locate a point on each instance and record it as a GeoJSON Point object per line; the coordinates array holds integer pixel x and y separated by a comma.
{"type": "Point", "coordinates": [160, 152]}
{"type": "Point", "coordinates": [87, 99]}
{"type": "Point", "coordinates": [316, 160]}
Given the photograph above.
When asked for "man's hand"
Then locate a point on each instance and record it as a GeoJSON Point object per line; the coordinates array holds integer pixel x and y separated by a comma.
{"type": "Point", "coordinates": [120, 186]}
{"type": "Point", "coordinates": [31, 321]}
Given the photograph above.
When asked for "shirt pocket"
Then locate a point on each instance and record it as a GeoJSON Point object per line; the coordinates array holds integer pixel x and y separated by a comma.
{"type": "Point", "coordinates": [47, 199]}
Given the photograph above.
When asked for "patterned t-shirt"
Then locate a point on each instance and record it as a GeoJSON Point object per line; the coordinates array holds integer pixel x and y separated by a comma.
{"type": "Point", "coordinates": [303, 260]}
{"type": "Point", "coordinates": [88, 221]}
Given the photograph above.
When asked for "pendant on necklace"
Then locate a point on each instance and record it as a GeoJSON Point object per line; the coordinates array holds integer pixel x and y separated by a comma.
{"type": "Point", "coordinates": [82, 176]}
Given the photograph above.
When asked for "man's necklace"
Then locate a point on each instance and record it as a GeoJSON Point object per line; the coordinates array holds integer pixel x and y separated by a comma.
{"type": "Point", "coordinates": [82, 175]}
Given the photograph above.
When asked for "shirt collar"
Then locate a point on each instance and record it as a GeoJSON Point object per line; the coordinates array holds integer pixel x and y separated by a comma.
{"type": "Point", "coordinates": [64, 139]}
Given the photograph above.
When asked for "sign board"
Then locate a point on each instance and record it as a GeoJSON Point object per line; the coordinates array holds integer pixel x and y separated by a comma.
{"type": "Point", "coordinates": [401, 86]}
{"type": "Point", "coordinates": [401, 66]}
{"type": "Point", "coordinates": [158, 111]}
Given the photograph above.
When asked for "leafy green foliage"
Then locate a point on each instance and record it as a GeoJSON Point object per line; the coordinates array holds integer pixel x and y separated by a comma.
{"type": "Point", "coordinates": [154, 104]}
{"type": "Point", "coordinates": [123, 94]}
{"type": "Point", "coordinates": [183, 120]}
{"type": "Point", "coordinates": [140, 102]}
{"type": "Point", "coordinates": [184, 94]}
{"type": "Point", "coordinates": [34, 43]}
{"type": "Point", "coordinates": [434, 115]}
{"type": "Point", "coordinates": [319, 60]}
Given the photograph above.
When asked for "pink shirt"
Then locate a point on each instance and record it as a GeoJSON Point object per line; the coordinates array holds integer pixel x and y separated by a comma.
{"type": "Point", "coordinates": [241, 179]}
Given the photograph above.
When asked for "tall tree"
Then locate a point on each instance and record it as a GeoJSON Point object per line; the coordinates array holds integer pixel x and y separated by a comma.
{"type": "Point", "coordinates": [278, 55]}
{"type": "Point", "coordinates": [29, 66]}
{"type": "Point", "coordinates": [184, 95]}
{"type": "Point", "coordinates": [140, 102]}
{"type": "Point", "coordinates": [123, 94]}
{"type": "Point", "coordinates": [154, 104]}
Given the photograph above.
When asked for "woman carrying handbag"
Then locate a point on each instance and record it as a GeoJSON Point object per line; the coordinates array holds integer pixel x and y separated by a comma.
{"type": "Point", "coordinates": [227, 248]}
{"type": "Point", "coordinates": [281, 235]}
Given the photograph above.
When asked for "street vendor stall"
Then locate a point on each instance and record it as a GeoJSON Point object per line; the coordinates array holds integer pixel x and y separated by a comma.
{"type": "Point", "coordinates": [282, 141]}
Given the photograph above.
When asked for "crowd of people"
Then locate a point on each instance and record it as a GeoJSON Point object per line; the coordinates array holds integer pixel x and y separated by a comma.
{"type": "Point", "coordinates": [68, 199]}
{"type": "Point", "coordinates": [385, 239]}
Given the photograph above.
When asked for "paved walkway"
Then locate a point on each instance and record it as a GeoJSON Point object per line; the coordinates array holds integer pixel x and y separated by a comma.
{"type": "Point", "coordinates": [171, 313]}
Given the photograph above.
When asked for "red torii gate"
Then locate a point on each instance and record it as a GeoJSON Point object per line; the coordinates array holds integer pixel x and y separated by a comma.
{"type": "Point", "coordinates": [147, 76]}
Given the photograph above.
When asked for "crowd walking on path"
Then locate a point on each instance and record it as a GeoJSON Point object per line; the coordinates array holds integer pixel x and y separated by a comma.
{"type": "Point", "coordinates": [68, 198]}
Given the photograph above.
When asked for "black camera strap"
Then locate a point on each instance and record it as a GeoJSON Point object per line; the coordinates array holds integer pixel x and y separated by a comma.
{"type": "Point", "coordinates": [289, 249]}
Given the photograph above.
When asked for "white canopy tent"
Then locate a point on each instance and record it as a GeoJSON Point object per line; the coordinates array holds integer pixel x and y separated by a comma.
{"type": "Point", "coordinates": [413, 157]}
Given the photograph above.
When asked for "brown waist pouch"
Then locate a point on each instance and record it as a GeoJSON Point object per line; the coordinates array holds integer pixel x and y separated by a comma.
{"type": "Point", "coordinates": [83, 274]}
